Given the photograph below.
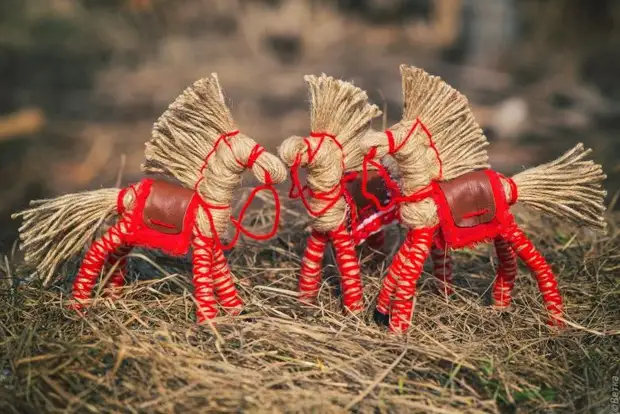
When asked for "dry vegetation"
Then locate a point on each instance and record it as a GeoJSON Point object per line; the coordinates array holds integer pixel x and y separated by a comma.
{"type": "Point", "coordinates": [144, 353]}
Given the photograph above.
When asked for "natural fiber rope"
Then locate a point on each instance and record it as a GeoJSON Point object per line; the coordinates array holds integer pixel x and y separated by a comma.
{"type": "Point", "coordinates": [341, 112]}
{"type": "Point", "coordinates": [569, 187]}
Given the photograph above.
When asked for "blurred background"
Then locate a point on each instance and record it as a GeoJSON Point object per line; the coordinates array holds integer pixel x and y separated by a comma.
{"type": "Point", "coordinates": [81, 82]}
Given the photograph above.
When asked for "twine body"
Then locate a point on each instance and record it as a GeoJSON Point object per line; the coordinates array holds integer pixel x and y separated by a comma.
{"type": "Point", "coordinates": [340, 114]}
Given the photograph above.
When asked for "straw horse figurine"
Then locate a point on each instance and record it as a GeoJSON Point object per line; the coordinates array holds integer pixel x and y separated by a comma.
{"type": "Point", "coordinates": [340, 114]}
{"type": "Point", "coordinates": [450, 196]}
{"type": "Point", "coordinates": [195, 142]}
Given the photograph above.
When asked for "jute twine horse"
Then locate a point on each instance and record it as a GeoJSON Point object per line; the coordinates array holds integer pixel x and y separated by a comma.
{"type": "Point", "coordinates": [340, 115]}
{"type": "Point", "coordinates": [195, 142]}
{"type": "Point", "coordinates": [450, 196]}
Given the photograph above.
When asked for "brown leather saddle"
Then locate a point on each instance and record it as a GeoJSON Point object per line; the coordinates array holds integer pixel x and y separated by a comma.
{"type": "Point", "coordinates": [166, 207]}
{"type": "Point", "coordinates": [470, 198]}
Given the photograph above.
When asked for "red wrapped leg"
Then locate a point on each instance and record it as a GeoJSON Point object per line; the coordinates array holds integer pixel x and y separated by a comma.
{"type": "Point", "coordinates": [389, 285]}
{"type": "Point", "coordinates": [442, 269]}
{"type": "Point", "coordinates": [411, 261]}
{"type": "Point", "coordinates": [311, 265]}
{"type": "Point", "coordinates": [94, 261]}
{"type": "Point", "coordinates": [350, 274]}
{"type": "Point", "coordinates": [203, 281]}
{"type": "Point", "coordinates": [118, 262]}
{"type": "Point", "coordinates": [542, 271]}
{"type": "Point", "coordinates": [224, 284]}
{"type": "Point", "coordinates": [506, 274]}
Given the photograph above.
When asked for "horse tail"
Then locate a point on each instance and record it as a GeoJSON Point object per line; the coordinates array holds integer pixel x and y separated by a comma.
{"type": "Point", "coordinates": [54, 230]}
{"type": "Point", "coordinates": [569, 188]}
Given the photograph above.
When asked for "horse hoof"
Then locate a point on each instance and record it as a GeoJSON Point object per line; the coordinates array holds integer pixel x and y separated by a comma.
{"type": "Point", "coordinates": [381, 318]}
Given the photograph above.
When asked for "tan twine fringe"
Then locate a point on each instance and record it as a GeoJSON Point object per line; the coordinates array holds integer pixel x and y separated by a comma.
{"type": "Point", "coordinates": [54, 230]}
{"type": "Point", "coordinates": [569, 188]}
{"type": "Point", "coordinates": [456, 135]}
{"type": "Point", "coordinates": [341, 109]}
{"type": "Point", "coordinates": [187, 132]}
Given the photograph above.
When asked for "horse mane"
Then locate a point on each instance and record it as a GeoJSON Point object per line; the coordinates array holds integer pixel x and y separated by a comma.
{"type": "Point", "coordinates": [459, 140]}
{"type": "Point", "coordinates": [341, 109]}
{"type": "Point", "coordinates": [186, 132]}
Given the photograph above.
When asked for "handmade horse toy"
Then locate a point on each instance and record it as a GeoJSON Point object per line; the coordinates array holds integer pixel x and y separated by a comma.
{"type": "Point", "coordinates": [194, 142]}
{"type": "Point", "coordinates": [450, 198]}
{"type": "Point", "coordinates": [332, 156]}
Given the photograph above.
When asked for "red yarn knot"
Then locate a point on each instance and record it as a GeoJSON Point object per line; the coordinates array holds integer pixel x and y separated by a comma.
{"type": "Point", "coordinates": [254, 154]}
{"type": "Point", "coordinates": [333, 195]}
{"type": "Point", "coordinates": [393, 148]}
{"type": "Point", "coordinates": [222, 138]}
{"type": "Point", "coordinates": [397, 197]}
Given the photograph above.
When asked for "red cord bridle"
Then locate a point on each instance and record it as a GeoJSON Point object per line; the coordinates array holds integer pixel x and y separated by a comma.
{"type": "Point", "coordinates": [331, 196]}
{"type": "Point", "coordinates": [256, 152]}
{"type": "Point", "coordinates": [369, 159]}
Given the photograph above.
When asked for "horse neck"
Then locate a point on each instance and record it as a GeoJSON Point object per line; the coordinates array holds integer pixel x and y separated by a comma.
{"type": "Point", "coordinates": [219, 185]}
{"type": "Point", "coordinates": [323, 174]}
{"type": "Point", "coordinates": [417, 169]}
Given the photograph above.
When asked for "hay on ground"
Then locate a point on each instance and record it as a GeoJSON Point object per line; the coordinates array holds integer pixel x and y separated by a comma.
{"type": "Point", "coordinates": [144, 353]}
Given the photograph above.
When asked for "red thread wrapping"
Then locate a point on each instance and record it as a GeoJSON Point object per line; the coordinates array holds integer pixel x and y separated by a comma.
{"type": "Point", "coordinates": [224, 285]}
{"type": "Point", "coordinates": [456, 237]}
{"type": "Point", "coordinates": [547, 284]}
{"type": "Point", "coordinates": [390, 183]}
{"type": "Point", "coordinates": [94, 261]}
{"type": "Point", "coordinates": [442, 269]}
{"type": "Point", "coordinates": [203, 280]}
{"type": "Point", "coordinates": [256, 152]}
{"type": "Point", "coordinates": [350, 275]}
{"type": "Point", "coordinates": [370, 225]}
{"type": "Point", "coordinates": [506, 273]}
{"type": "Point", "coordinates": [415, 250]}
{"type": "Point", "coordinates": [311, 265]}
{"type": "Point", "coordinates": [388, 286]}
{"type": "Point", "coordinates": [331, 196]}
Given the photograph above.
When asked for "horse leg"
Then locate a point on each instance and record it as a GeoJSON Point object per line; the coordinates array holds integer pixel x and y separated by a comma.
{"type": "Point", "coordinates": [118, 262]}
{"type": "Point", "coordinates": [410, 259]}
{"type": "Point", "coordinates": [506, 274]}
{"type": "Point", "coordinates": [311, 265]}
{"type": "Point", "coordinates": [442, 269]}
{"type": "Point", "coordinates": [224, 284]}
{"type": "Point", "coordinates": [94, 260]}
{"type": "Point", "coordinates": [203, 281]}
{"type": "Point", "coordinates": [384, 300]}
{"type": "Point", "coordinates": [547, 284]}
{"type": "Point", "coordinates": [350, 273]}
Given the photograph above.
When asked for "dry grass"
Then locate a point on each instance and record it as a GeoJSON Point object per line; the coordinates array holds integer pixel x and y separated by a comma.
{"type": "Point", "coordinates": [143, 353]}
